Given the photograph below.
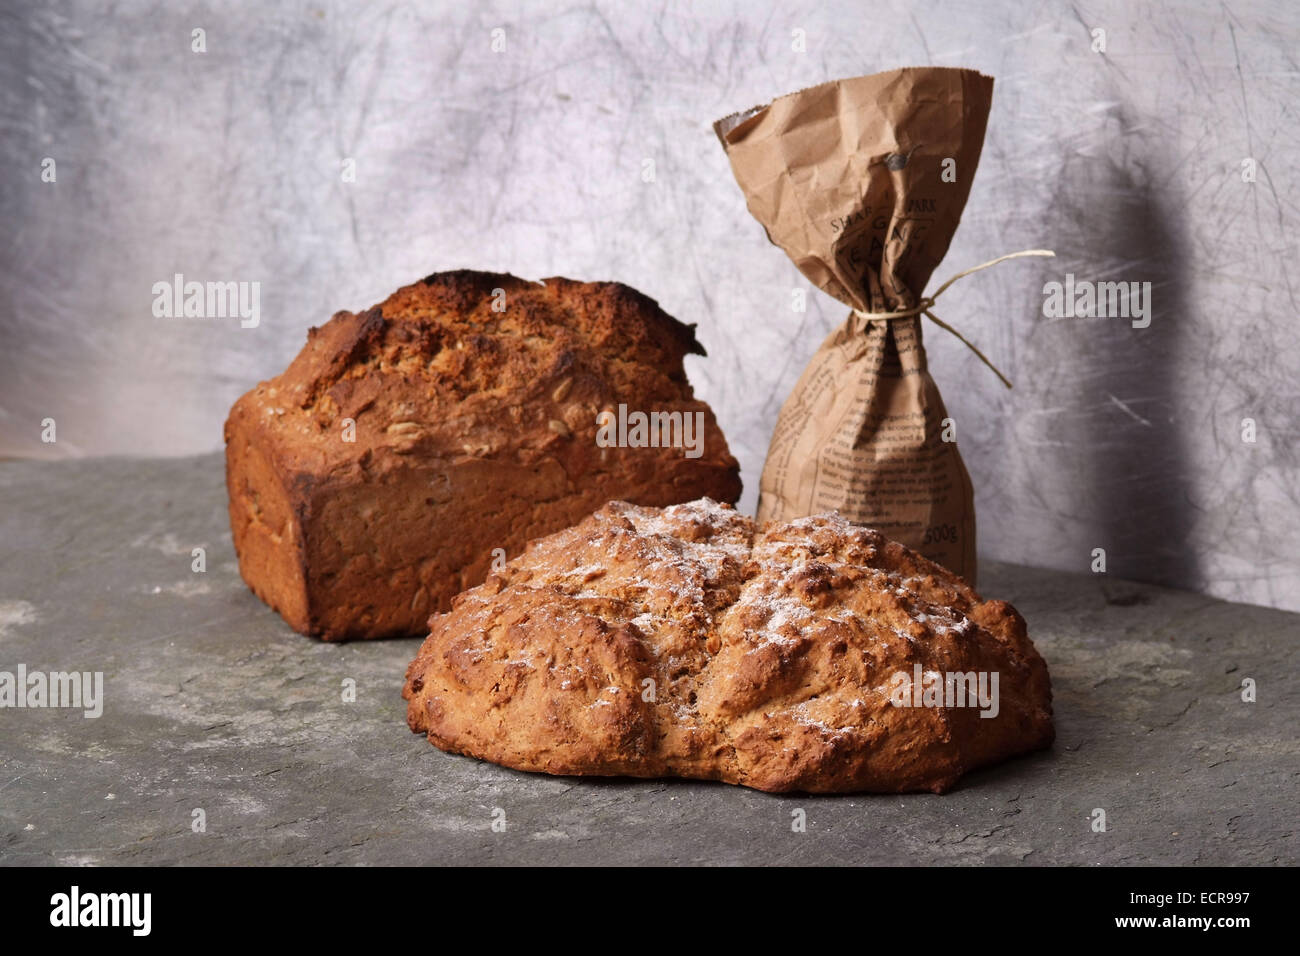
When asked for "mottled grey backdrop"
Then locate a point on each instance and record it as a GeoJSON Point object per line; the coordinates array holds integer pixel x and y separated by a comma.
{"type": "Point", "coordinates": [227, 165]}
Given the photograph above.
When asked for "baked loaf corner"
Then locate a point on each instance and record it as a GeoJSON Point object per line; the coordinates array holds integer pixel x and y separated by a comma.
{"type": "Point", "coordinates": [410, 445]}
{"type": "Point", "coordinates": [684, 642]}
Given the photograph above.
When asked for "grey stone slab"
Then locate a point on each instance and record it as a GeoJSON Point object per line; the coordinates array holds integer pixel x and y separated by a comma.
{"type": "Point", "coordinates": [212, 703]}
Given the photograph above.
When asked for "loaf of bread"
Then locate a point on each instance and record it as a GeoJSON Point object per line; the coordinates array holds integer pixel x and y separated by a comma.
{"type": "Point", "coordinates": [685, 642]}
{"type": "Point", "coordinates": [410, 447]}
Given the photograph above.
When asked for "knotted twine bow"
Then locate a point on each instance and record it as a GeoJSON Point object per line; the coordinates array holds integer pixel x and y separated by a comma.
{"type": "Point", "coordinates": [926, 303]}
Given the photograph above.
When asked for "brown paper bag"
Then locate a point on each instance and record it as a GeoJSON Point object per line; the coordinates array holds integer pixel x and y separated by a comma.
{"type": "Point", "coordinates": [862, 182]}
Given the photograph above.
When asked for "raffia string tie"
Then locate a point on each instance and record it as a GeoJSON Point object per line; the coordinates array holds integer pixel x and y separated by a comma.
{"type": "Point", "coordinates": [926, 304]}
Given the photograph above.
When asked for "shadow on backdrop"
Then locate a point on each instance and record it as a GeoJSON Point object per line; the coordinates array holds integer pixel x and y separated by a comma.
{"type": "Point", "coordinates": [1124, 446]}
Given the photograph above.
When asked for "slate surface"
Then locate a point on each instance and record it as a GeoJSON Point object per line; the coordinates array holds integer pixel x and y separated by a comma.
{"type": "Point", "coordinates": [212, 703]}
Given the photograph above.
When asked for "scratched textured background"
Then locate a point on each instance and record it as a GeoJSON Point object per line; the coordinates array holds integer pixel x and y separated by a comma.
{"type": "Point", "coordinates": [226, 165]}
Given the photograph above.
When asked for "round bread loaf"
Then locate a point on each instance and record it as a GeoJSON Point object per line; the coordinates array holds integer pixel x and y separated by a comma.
{"type": "Point", "coordinates": [808, 655]}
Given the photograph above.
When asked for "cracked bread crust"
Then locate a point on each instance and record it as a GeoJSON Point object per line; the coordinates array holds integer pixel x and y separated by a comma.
{"type": "Point", "coordinates": [684, 642]}
{"type": "Point", "coordinates": [474, 399]}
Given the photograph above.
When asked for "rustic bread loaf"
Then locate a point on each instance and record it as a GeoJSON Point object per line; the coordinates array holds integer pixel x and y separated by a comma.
{"type": "Point", "coordinates": [408, 447]}
{"type": "Point", "coordinates": [683, 642]}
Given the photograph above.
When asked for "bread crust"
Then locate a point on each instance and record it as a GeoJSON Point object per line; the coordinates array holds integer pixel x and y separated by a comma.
{"type": "Point", "coordinates": [474, 399]}
{"type": "Point", "coordinates": [685, 642]}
